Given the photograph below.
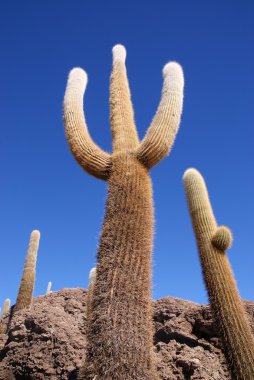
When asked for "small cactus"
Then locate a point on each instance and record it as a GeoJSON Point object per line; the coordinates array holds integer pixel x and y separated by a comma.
{"type": "Point", "coordinates": [120, 313]}
{"type": "Point", "coordinates": [48, 291]}
{"type": "Point", "coordinates": [26, 288]}
{"type": "Point", "coordinates": [6, 309]}
{"type": "Point", "coordinates": [226, 303]}
{"type": "Point", "coordinates": [92, 278]}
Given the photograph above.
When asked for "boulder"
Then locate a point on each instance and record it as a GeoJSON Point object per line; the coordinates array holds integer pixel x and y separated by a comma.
{"type": "Point", "coordinates": [48, 340]}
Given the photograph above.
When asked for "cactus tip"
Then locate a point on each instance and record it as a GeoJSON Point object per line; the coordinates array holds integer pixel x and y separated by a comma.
{"type": "Point", "coordinates": [174, 72]}
{"type": "Point", "coordinates": [78, 75]}
{"type": "Point", "coordinates": [8, 302]}
{"type": "Point", "coordinates": [190, 173]}
{"type": "Point", "coordinates": [36, 233]}
{"type": "Point", "coordinates": [119, 53]}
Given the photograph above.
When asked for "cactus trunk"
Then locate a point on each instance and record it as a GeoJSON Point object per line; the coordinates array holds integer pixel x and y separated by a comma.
{"type": "Point", "coordinates": [121, 303]}
{"type": "Point", "coordinates": [226, 303]}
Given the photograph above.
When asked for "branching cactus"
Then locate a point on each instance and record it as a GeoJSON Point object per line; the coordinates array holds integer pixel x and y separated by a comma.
{"type": "Point", "coordinates": [26, 288]}
{"type": "Point", "coordinates": [120, 327]}
{"type": "Point", "coordinates": [226, 303]}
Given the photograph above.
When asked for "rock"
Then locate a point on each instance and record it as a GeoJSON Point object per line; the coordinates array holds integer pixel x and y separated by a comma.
{"type": "Point", "coordinates": [48, 341]}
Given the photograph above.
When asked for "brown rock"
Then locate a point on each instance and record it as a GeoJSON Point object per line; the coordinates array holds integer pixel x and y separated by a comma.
{"type": "Point", "coordinates": [48, 341]}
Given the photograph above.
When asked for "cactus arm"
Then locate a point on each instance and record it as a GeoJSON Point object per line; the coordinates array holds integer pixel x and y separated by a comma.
{"type": "Point", "coordinates": [26, 288]}
{"type": "Point", "coordinates": [161, 134]}
{"type": "Point", "coordinates": [226, 303]}
{"type": "Point", "coordinates": [123, 129]}
{"type": "Point", "coordinates": [92, 158]}
{"type": "Point", "coordinates": [222, 238]}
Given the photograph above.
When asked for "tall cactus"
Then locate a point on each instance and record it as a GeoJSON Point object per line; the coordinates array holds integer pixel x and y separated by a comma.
{"type": "Point", "coordinates": [120, 328]}
{"type": "Point", "coordinates": [226, 303]}
{"type": "Point", "coordinates": [26, 288]}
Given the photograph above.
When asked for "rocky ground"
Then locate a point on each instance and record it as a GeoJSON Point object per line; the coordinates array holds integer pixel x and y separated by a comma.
{"type": "Point", "coordinates": [48, 341]}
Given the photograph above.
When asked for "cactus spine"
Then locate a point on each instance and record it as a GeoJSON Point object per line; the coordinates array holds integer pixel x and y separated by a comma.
{"type": "Point", "coordinates": [120, 322]}
{"type": "Point", "coordinates": [226, 303]}
{"type": "Point", "coordinates": [26, 288]}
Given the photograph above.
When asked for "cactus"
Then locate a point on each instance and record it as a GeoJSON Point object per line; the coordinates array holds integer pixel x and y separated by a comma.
{"type": "Point", "coordinates": [26, 288]}
{"type": "Point", "coordinates": [87, 372]}
{"type": "Point", "coordinates": [226, 303]}
{"type": "Point", "coordinates": [92, 278]}
{"type": "Point", "coordinates": [6, 309]}
{"type": "Point", "coordinates": [48, 291]}
{"type": "Point", "coordinates": [120, 327]}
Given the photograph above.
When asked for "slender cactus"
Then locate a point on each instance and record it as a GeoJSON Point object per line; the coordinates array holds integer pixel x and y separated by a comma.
{"type": "Point", "coordinates": [120, 323]}
{"type": "Point", "coordinates": [26, 288]}
{"type": "Point", "coordinates": [48, 291]}
{"type": "Point", "coordinates": [92, 278]}
{"type": "Point", "coordinates": [6, 309]}
{"type": "Point", "coordinates": [87, 372]}
{"type": "Point", "coordinates": [226, 303]}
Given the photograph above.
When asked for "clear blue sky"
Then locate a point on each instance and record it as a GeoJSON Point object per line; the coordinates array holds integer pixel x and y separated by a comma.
{"type": "Point", "coordinates": [43, 188]}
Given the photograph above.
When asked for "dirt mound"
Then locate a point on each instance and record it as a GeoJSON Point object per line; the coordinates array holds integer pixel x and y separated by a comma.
{"type": "Point", "coordinates": [48, 341]}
